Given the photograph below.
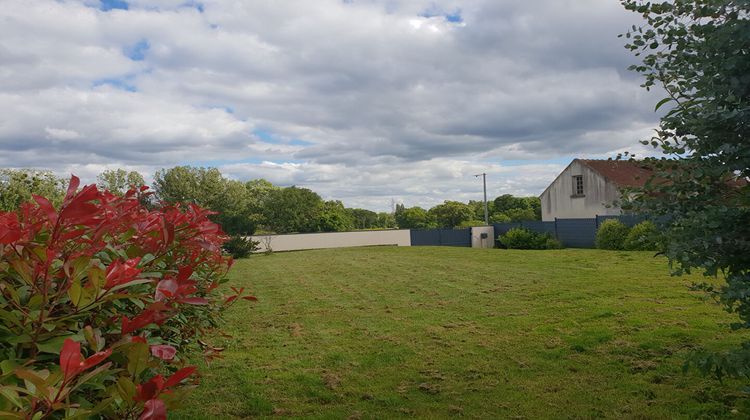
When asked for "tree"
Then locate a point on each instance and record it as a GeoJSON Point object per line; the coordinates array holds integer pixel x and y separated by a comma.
{"type": "Point", "coordinates": [519, 214]}
{"type": "Point", "coordinates": [507, 202]}
{"type": "Point", "coordinates": [207, 188]}
{"type": "Point", "coordinates": [363, 219]}
{"type": "Point", "coordinates": [535, 204]}
{"type": "Point", "coordinates": [697, 51]}
{"type": "Point", "coordinates": [118, 181]}
{"type": "Point", "coordinates": [18, 185]}
{"type": "Point", "coordinates": [451, 213]}
{"type": "Point", "coordinates": [293, 209]}
{"type": "Point", "coordinates": [334, 217]}
{"type": "Point", "coordinates": [386, 221]}
{"type": "Point", "coordinates": [414, 218]}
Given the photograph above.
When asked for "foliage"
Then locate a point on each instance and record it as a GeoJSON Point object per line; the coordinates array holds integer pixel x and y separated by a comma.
{"type": "Point", "coordinates": [414, 218]}
{"type": "Point", "coordinates": [232, 201]}
{"type": "Point", "coordinates": [611, 234]}
{"type": "Point", "coordinates": [18, 185]}
{"type": "Point", "coordinates": [293, 209]}
{"type": "Point", "coordinates": [500, 218]}
{"type": "Point", "coordinates": [100, 301]}
{"type": "Point", "coordinates": [386, 221]}
{"type": "Point", "coordinates": [119, 181]}
{"type": "Point", "coordinates": [239, 246]}
{"type": "Point", "coordinates": [470, 223]}
{"type": "Point", "coordinates": [643, 237]}
{"type": "Point", "coordinates": [334, 218]}
{"type": "Point", "coordinates": [519, 214]}
{"type": "Point", "coordinates": [521, 238]}
{"type": "Point", "coordinates": [363, 219]}
{"type": "Point", "coordinates": [698, 52]}
{"type": "Point", "coordinates": [508, 208]}
{"type": "Point", "coordinates": [507, 202]}
{"type": "Point", "coordinates": [451, 213]}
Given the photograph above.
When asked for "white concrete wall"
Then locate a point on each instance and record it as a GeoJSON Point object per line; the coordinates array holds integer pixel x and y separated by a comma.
{"type": "Point", "coordinates": [476, 237]}
{"type": "Point", "coordinates": [301, 241]}
{"type": "Point", "coordinates": [558, 200]}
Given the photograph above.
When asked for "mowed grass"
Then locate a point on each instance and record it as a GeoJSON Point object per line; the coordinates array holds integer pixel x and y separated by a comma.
{"type": "Point", "coordinates": [429, 332]}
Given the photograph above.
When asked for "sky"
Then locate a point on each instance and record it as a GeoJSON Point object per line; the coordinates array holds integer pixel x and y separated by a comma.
{"type": "Point", "coordinates": [366, 101]}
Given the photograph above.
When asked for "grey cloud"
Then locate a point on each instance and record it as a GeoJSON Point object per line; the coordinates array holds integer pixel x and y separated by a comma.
{"type": "Point", "coordinates": [372, 85]}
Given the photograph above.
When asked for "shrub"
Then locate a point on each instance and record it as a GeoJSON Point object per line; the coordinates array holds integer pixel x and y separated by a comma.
{"type": "Point", "coordinates": [100, 301]}
{"type": "Point", "coordinates": [611, 235]}
{"type": "Point", "coordinates": [470, 223]}
{"type": "Point", "coordinates": [520, 238]}
{"type": "Point", "coordinates": [642, 237]}
{"type": "Point", "coordinates": [239, 246]}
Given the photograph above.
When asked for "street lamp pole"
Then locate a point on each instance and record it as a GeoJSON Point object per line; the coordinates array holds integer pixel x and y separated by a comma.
{"type": "Point", "coordinates": [484, 183]}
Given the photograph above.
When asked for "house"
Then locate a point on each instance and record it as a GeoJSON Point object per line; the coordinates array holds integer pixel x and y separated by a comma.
{"type": "Point", "coordinates": [589, 188]}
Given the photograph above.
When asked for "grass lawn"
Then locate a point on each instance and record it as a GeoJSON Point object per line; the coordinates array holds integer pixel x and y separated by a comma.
{"type": "Point", "coordinates": [388, 332]}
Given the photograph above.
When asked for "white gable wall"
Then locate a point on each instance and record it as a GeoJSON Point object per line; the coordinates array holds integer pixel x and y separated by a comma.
{"type": "Point", "coordinates": [599, 195]}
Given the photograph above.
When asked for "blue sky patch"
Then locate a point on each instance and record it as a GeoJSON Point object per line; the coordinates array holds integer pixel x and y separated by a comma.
{"type": "Point", "coordinates": [138, 51]}
{"type": "Point", "coordinates": [119, 83]}
{"type": "Point", "coordinates": [268, 137]}
{"type": "Point", "coordinates": [108, 5]}
{"type": "Point", "coordinates": [453, 17]}
{"type": "Point", "coordinates": [195, 4]}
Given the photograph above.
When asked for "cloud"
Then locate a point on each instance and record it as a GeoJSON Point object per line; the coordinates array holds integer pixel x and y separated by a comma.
{"type": "Point", "coordinates": [354, 97]}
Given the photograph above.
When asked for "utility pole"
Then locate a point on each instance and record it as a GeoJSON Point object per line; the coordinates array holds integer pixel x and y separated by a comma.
{"type": "Point", "coordinates": [484, 182]}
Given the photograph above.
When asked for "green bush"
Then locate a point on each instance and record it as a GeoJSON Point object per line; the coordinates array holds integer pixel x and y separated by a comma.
{"type": "Point", "coordinates": [611, 235]}
{"type": "Point", "coordinates": [470, 223]}
{"type": "Point", "coordinates": [240, 247]}
{"type": "Point", "coordinates": [520, 238]}
{"type": "Point", "coordinates": [642, 237]}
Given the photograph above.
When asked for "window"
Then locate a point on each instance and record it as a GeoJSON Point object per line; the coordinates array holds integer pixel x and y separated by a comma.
{"type": "Point", "coordinates": [578, 185]}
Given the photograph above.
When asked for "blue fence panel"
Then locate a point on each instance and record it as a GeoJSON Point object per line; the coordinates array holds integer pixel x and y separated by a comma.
{"type": "Point", "coordinates": [455, 237]}
{"type": "Point", "coordinates": [503, 228]}
{"type": "Point", "coordinates": [576, 233]}
{"type": "Point", "coordinates": [627, 219]}
{"type": "Point", "coordinates": [441, 237]}
{"type": "Point", "coordinates": [425, 237]}
{"type": "Point", "coordinates": [539, 227]}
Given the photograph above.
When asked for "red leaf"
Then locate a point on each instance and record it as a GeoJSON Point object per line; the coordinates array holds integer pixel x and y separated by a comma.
{"type": "Point", "coordinates": [70, 358]}
{"type": "Point", "coordinates": [163, 351]}
{"type": "Point", "coordinates": [149, 390]}
{"type": "Point", "coordinates": [47, 207]}
{"type": "Point", "coordinates": [165, 289]}
{"type": "Point", "coordinates": [253, 298]}
{"type": "Point", "coordinates": [72, 187]}
{"type": "Point", "coordinates": [230, 299]}
{"type": "Point", "coordinates": [154, 409]}
{"type": "Point", "coordinates": [194, 301]}
{"type": "Point", "coordinates": [95, 359]}
{"type": "Point", "coordinates": [137, 339]}
{"type": "Point", "coordinates": [178, 376]}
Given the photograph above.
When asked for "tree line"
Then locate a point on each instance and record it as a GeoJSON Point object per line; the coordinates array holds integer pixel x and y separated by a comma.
{"type": "Point", "coordinates": [244, 208]}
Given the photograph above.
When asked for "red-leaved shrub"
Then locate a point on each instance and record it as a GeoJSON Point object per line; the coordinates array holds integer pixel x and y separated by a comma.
{"type": "Point", "coordinates": [99, 302]}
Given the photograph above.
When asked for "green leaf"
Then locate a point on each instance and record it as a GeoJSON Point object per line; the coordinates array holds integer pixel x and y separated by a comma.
{"type": "Point", "coordinates": [125, 388]}
{"type": "Point", "coordinates": [11, 395]}
{"type": "Point", "coordinates": [137, 358]}
{"type": "Point", "coordinates": [53, 345]}
{"type": "Point", "coordinates": [660, 103]}
{"type": "Point", "coordinates": [74, 292]}
{"type": "Point", "coordinates": [8, 366]}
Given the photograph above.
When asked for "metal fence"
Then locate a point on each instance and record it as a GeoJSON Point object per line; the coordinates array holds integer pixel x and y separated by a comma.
{"type": "Point", "coordinates": [572, 233]}
{"type": "Point", "coordinates": [441, 237]}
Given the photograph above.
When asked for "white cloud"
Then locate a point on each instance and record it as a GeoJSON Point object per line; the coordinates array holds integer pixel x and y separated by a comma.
{"type": "Point", "coordinates": [361, 101]}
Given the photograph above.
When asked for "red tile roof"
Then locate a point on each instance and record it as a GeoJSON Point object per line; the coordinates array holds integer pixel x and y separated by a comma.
{"type": "Point", "coordinates": [624, 173]}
